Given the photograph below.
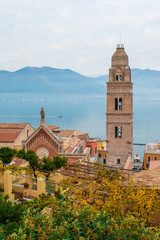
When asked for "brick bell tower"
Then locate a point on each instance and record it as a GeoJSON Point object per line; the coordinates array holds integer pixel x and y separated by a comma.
{"type": "Point", "coordinates": [119, 125]}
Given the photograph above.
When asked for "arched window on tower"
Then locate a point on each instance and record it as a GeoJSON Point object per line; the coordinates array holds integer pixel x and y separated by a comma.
{"type": "Point", "coordinates": [118, 161]}
{"type": "Point", "coordinates": [120, 104]}
{"type": "Point", "coordinates": [119, 132]}
{"type": "Point", "coordinates": [116, 132]}
{"type": "Point", "coordinates": [118, 77]}
{"type": "Point", "coordinates": [116, 103]}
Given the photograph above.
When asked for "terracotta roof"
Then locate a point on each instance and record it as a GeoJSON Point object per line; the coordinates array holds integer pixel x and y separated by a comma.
{"type": "Point", "coordinates": [92, 140]}
{"type": "Point", "coordinates": [17, 161]}
{"type": "Point", "coordinates": [68, 133]}
{"type": "Point", "coordinates": [13, 125]}
{"type": "Point", "coordinates": [147, 178]}
{"type": "Point", "coordinates": [53, 128]}
{"type": "Point", "coordinates": [9, 131]}
{"type": "Point", "coordinates": [83, 136]}
{"type": "Point", "coordinates": [9, 135]}
{"type": "Point", "coordinates": [154, 165]}
{"type": "Point", "coordinates": [70, 144]}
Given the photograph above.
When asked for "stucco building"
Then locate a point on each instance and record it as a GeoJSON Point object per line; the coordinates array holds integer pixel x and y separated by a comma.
{"type": "Point", "coordinates": [12, 134]}
{"type": "Point", "coordinates": [119, 122]}
{"type": "Point", "coordinates": [102, 151]}
{"type": "Point", "coordinates": [151, 156]}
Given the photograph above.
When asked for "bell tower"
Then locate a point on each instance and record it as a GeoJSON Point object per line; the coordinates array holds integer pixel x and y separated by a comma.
{"type": "Point", "coordinates": [119, 125]}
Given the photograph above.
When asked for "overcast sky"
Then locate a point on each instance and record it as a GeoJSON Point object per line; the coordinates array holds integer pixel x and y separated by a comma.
{"type": "Point", "coordinates": [78, 34]}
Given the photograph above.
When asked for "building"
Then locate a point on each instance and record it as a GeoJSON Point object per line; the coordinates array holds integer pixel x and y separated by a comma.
{"type": "Point", "coordinates": [49, 141]}
{"type": "Point", "coordinates": [151, 156]}
{"type": "Point", "coordinates": [102, 151]}
{"type": "Point", "coordinates": [137, 164]}
{"type": "Point", "coordinates": [12, 134]}
{"type": "Point", "coordinates": [119, 122]}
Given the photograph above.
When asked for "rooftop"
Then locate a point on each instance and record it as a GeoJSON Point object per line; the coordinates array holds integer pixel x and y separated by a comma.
{"type": "Point", "coordinates": [13, 125]}
{"type": "Point", "coordinates": [68, 133]}
{"type": "Point", "coordinates": [9, 131]}
{"type": "Point", "coordinates": [152, 148]}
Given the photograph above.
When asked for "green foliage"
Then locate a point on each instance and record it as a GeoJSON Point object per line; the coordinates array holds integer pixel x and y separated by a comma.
{"type": "Point", "coordinates": [47, 166]}
{"type": "Point", "coordinates": [40, 203]}
{"type": "Point", "coordinates": [59, 161]}
{"type": "Point", "coordinates": [115, 193]}
{"type": "Point", "coordinates": [6, 154]}
{"type": "Point", "coordinates": [32, 158]}
{"type": "Point", "coordinates": [21, 154]}
{"type": "Point", "coordinates": [82, 224]}
{"type": "Point", "coordinates": [10, 214]}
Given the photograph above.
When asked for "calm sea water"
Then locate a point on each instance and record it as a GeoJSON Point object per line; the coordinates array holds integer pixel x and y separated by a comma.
{"type": "Point", "coordinates": [83, 113]}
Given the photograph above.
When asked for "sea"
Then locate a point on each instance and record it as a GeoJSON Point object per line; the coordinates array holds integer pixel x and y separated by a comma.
{"type": "Point", "coordinates": [85, 113]}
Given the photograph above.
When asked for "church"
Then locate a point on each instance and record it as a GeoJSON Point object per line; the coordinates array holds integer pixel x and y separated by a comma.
{"type": "Point", "coordinates": [49, 141]}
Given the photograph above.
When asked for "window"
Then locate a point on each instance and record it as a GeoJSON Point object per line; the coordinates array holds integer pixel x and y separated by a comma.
{"type": "Point", "coordinates": [95, 150]}
{"type": "Point", "coordinates": [116, 132]}
{"type": "Point", "coordinates": [90, 149]}
{"type": "Point", "coordinates": [120, 104]}
{"type": "Point", "coordinates": [27, 133]}
{"type": "Point", "coordinates": [104, 161]}
{"type": "Point", "coordinates": [119, 77]}
{"type": "Point", "coordinates": [148, 159]}
{"type": "Point", "coordinates": [155, 158]}
{"type": "Point", "coordinates": [118, 161]}
{"type": "Point", "coordinates": [116, 104]}
{"type": "Point", "coordinates": [120, 132]}
{"type": "Point", "coordinates": [99, 154]}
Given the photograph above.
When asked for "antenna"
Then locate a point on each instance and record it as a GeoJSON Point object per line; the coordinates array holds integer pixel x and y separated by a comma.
{"type": "Point", "coordinates": [120, 40]}
{"type": "Point", "coordinates": [120, 45]}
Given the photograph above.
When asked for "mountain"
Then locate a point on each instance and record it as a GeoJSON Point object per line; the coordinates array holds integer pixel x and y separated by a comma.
{"type": "Point", "coordinates": [47, 80]}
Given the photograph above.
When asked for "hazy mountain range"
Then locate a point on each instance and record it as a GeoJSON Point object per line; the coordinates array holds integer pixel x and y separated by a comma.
{"type": "Point", "coordinates": [47, 80]}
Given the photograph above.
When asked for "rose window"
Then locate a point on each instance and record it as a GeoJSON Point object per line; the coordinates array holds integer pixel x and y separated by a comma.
{"type": "Point", "coordinates": [42, 152]}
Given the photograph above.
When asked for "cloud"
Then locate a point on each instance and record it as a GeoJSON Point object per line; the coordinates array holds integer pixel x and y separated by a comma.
{"type": "Point", "coordinates": [80, 35]}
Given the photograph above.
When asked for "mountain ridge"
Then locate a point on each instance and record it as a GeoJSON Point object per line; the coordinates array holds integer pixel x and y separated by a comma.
{"type": "Point", "coordinates": [48, 80]}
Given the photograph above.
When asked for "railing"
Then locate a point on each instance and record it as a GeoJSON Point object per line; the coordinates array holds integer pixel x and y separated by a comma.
{"type": "Point", "coordinates": [120, 45]}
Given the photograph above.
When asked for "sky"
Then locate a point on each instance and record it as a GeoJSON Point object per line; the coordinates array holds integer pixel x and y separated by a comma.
{"type": "Point", "coordinates": [78, 34]}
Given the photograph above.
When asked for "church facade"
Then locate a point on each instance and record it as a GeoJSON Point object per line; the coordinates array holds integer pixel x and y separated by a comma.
{"type": "Point", "coordinates": [49, 141]}
{"type": "Point", "coordinates": [119, 116]}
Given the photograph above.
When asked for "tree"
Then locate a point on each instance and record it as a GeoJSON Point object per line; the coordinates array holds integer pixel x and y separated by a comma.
{"type": "Point", "coordinates": [59, 162]}
{"type": "Point", "coordinates": [21, 154]}
{"type": "Point", "coordinates": [6, 154]}
{"type": "Point", "coordinates": [10, 214]}
{"type": "Point", "coordinates": [49, 165]}
{"type": "Point", "coordinates": [32, 158]}
{"type": "Point", "coordinates": [113, 192]}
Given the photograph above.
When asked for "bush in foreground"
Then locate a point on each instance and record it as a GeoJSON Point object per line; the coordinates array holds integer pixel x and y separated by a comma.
{"type": "Point", "coordinates": [82, 224]}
